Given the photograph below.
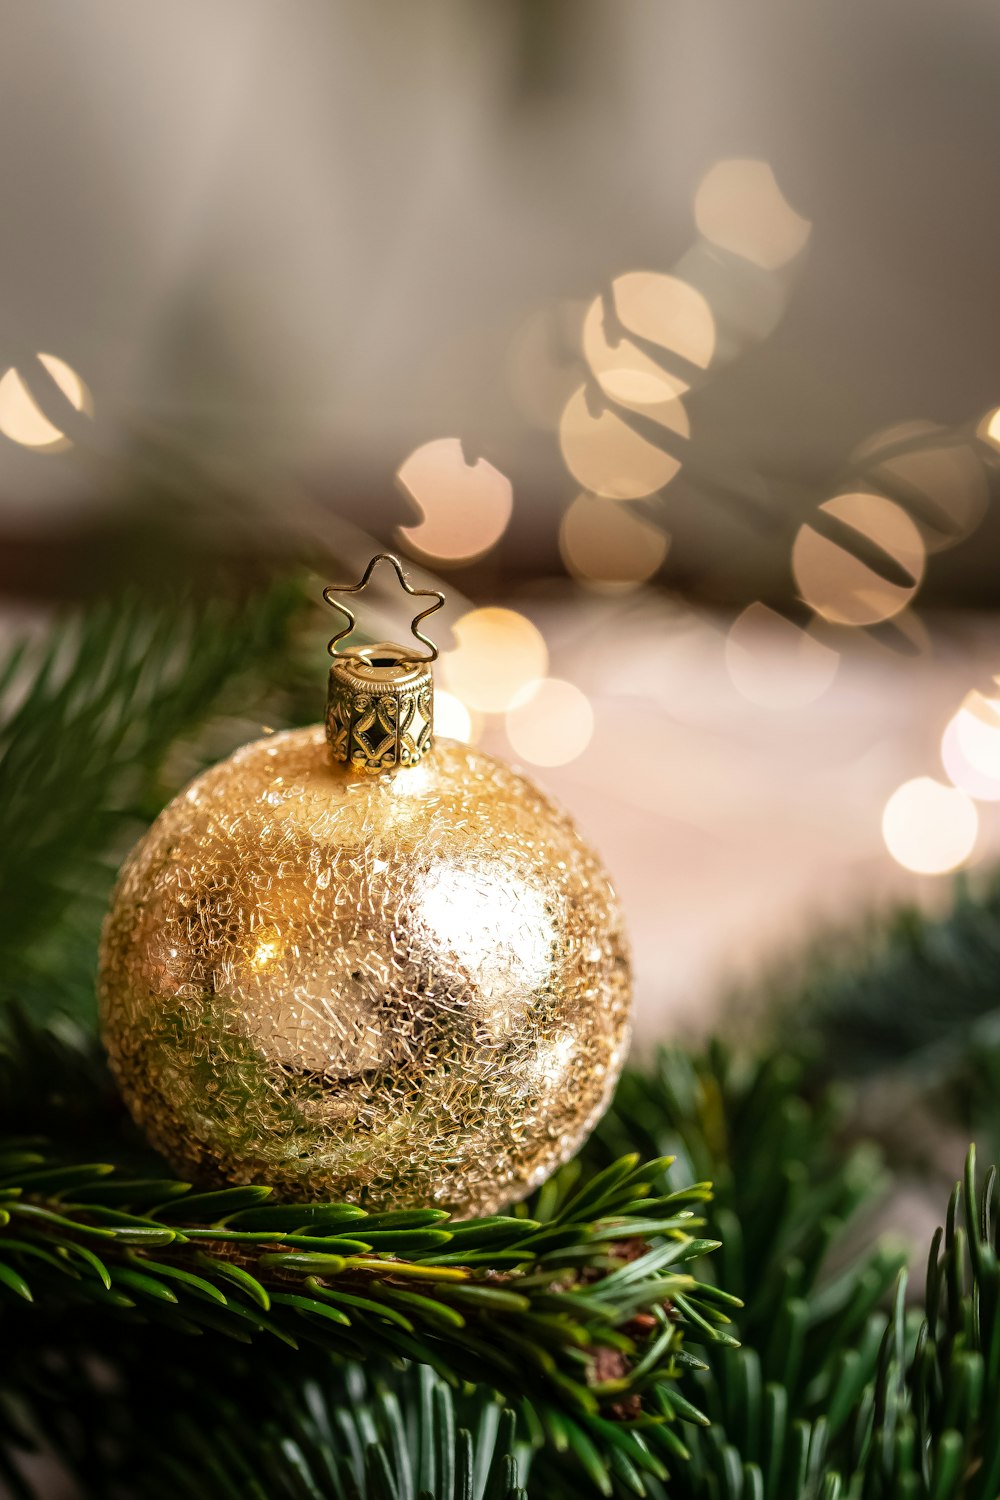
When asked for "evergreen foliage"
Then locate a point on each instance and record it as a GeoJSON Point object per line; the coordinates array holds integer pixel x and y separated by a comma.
{"type": "Point", "coordinates": [156, 1340]}
{"type": "Point", "coordinates": [88, 715]}
{"type": "Point", "coordinates": [911, 999]}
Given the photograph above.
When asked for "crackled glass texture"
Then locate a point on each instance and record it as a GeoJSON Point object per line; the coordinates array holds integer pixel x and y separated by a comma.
{"type": "Point", "coordinates": [403, 989]}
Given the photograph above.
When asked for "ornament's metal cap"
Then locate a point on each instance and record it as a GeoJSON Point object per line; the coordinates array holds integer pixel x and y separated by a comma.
{"type": "Point", "coordinates": [380, 701]}
{"type": "Point", "coordinates": [379, 707]}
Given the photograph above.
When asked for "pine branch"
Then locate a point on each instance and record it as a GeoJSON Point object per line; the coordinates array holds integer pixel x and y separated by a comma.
{"type": "Point", "coordinates": [785, 1192]}
{"type": "Point", "coordinates": [906, 995]}
{"type": "Point", "coordinates": [577, 1306]}
{"type": "Point", "coordinates": [87, 716]}
{"type": "Point", "coordinates": [937, 1392]}
{"type": "Point", "coordinates": [829, 1398]}
{"type": "Point", "coordinates": [257, 1430]}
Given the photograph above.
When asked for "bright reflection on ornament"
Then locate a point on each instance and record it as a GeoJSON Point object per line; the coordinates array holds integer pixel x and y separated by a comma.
{"type": "Point", "coordinates": [466, 507]}
{"type": "Point", "coordinates": [630, 377]}
{"type": "Point", "coordinates": [268, 948]}
{"type": "Point", "coordinates": [668, 312]}
{"type": "Point", "coordinates": [740, 207]}
{"type": "Point", "coordinates": [453, 719]}
{"type": "Point", "coordinates": [928, 827]}
{"type": "Point", "coordinates": [499, 653]}
{"type": "Point", "coordinates": [831, 565]}
{"type": "Point", "coordinates": [606, 455]}
{"type": "Point", "coordinates": [550, 723]}
{"type": "Point", "coordinates": [774, 663]}
{"type": "Point", "coordinates": [22, 419]}
{"type": "Point", "coordinates": [607, 547]}
{"type": "Point", "coordinates": [498, 927]}
{"type": "Point", "coordinates": [550, 1065]}
{"type": "Point", "coordinates": [978, 784]}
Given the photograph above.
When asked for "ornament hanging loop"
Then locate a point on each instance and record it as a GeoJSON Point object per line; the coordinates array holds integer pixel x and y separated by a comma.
{"type": "Point", "coordinates": [380, 701]}
{"type": "Point", "coordinates": [356, 588]}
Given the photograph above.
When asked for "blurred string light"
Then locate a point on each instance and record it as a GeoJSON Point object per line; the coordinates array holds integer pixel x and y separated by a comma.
{"type": "Point", "coordinates": [606, 455]}
{"type": "Point", "coordinates": [604, 451]}
{"type": "Point", "coordinates": [742, 265]}
{"type": "Point", "coordinates": [935, 473]}
{"type": "Point", "coordinates": [775, 663]}
{"type": "Point", "coordinates": [747, 303]}
{"type": "Point", "coordinates": [651, 338]}
{"type": "Point", "coordinates": [667, 312]}
{"type": "Point", "coordinates": [499, 654]}
{"type": "Point", "coordinates": [740, 208]}
{"type": "Point", "coordinates": [465, 507]}
{"type": "Point", "coordinates": [860, 562]}
{"type": "Point", "coordinates": [550, 722]}
{"type": "Point", "coordinates": [609, 548]}
{"type": "Point", "coordinates": [977, 774]}
{"type": "Point", "coordinates": [629, 376]}
{"type": "Point", "coordinates": [454, 720]}
{"type": "Point", "coordinates": [928, 827]}
{"type": "Point", "coordinates": [977, 734]}
{"type": "Point", "coordinates": [942, 479]}
{"type": "Point", "coordinates": [989, 428]}
{"type": "Point", "coordinates": [22, 419]}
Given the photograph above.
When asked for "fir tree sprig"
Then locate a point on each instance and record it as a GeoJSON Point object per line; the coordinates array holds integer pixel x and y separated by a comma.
{"type": "Point", "coordinates": [88, 714]}
{"type": "Point", "coordinates": [905, 996]}
{"type": "Point", "coordinates": [232, 1427]}
{"type": "Point", "coordinates": [576, 1304]}
{"type": "Point", "coordinates": [830, 1397]}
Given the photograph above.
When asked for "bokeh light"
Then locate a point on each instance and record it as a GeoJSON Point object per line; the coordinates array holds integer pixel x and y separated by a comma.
{"type": "Point", "coordinates": [977, 732]}
{"type": "Point", "coordinates": [606, 455]}
{"type": "Point", "coordinates": [629, 376]}
{"type": "Point", "coordinates": [982, 786]}
{"type": "Point", "coordinates": [773, 662]}
{"type": "Point", "coordinates": [896, 436]}
{"type": "Point", "coordinates": [608, 547]}
{"type": "Point", "coordinates": [939, 478]}
{"type": "Point", "coordinates": [499, 654]}
{"type": "Point", "coordinates": [466, 507]}
{"type": "Point", "coordinates": [740, 207]}
{"type": "Point", "coordinates": [550, 723]}
{"type": "Point", "coordinates": [666, 311]}
{"type": "Point", "coordinates": [22, 419]}
{"type": "Point", "coordinates": [453, 719]}
{"type": "Point", "coordinates": [747, 302]}
{"type": "Point", "coordinates": [928, 827]}
{"type": "Point", "coordinates": [833, 571]}
{"type": "Point", "coordinates": [989, 428]}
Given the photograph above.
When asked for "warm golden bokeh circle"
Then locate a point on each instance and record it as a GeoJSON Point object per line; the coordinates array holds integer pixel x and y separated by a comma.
{"type": "Point", "coordinates": [869, 569]}
{"type": "Point", "coordinates": [928, 827]}
{"type": "Point", "coordinates": [498, 653]}
{"type": "Point", "coordinates": [22, 419]}
{"type": "Point", "coordinates": [608, 547]}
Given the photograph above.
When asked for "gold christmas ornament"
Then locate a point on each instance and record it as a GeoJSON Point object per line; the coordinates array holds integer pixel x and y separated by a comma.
{"type": "Point", "coordinates": [364, 963]}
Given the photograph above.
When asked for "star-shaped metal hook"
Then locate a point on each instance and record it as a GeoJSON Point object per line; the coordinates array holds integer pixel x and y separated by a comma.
{"type": "Point", "coordinates": [355, 588]}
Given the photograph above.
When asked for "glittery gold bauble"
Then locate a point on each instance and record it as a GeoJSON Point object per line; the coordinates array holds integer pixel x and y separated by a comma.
{"type": "Point", "coordinates": [401, 988]}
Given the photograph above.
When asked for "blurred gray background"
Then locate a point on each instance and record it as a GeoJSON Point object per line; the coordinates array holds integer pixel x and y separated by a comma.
{"type": "Point", "coordinates": [308, 236]}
